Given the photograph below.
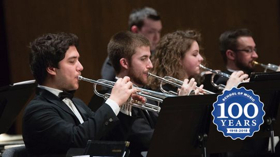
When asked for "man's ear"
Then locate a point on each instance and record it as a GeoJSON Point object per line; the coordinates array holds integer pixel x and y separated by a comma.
{"type": "Point", "coordinates": [51, 70]}
{"type": "Point", "coordinates": [134, 29]}
{"type": "Point", "coordinates": [124, 63]}
{"type": "Point", "coordinates": [231, 55]}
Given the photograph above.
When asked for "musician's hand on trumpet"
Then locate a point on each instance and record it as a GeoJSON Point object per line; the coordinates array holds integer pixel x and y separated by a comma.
{"type": "Point", "coordinates": [236, 78]}
{"type": "Point", "coordinates": [127, 95]}
{"type": "Point", "coordinates": [190, 88]}
{"type": "Point", "coordinates": [187, 89]}
{"type": "Point", "coordinates": [199, 90]}
{"type": "Point", "coordinates": [123, 90]}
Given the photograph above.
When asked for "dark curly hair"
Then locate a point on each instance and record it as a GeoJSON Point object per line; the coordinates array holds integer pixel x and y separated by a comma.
{"type": "Point", "coordinates": [47, 51]}
{"type": "Point", "coordinates": [171, 49]}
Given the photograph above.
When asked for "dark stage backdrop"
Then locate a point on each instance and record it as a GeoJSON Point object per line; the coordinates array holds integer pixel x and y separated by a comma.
{"type": "Point", "coordinates": [95, 21]}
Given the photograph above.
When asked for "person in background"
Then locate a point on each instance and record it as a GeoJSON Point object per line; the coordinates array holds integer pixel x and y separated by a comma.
{"type": "Point", "coordinates": [178, 55]}
{"type": "Point", "coordinates": [238, 50]}
{"type": "Point", "coordinates": [145, 21]}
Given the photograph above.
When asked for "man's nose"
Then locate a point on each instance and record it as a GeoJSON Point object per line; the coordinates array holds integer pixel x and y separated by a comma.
{"type": "Point", "coordinates": [255, 55]}
{"type": "Point", "coordinates": [150, 64]}
{"type": "Point", "coordinates": [80, 67]}
{"type": "Point", "coordinates": [156, 36]}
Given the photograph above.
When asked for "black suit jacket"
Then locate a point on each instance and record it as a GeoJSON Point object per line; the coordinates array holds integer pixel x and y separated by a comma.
{"type": "Point", "coordinates": [50, 127]}
{"type": "Point", "coordinates": [138, 129]}
{"type": "Point", "coordinates": [108, 71]}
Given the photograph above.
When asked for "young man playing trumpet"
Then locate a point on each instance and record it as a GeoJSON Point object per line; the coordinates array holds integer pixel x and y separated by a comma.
{"type": "Point", "coordinates": [53, 122]}
{"type": "Point", "coordinates": [130, 55]}
{"type": "Point", "coordinates": [239, 52]}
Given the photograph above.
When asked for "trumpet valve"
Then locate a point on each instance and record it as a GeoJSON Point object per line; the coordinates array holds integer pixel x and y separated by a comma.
{"type": "Point", "coordinates": [136, 102]}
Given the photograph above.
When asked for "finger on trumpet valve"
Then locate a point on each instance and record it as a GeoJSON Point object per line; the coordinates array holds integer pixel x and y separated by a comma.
{"type": "Point", "coordinates": [136, 102]}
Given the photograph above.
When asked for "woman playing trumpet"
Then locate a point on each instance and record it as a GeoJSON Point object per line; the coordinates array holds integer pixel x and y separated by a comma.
{"type": "Point", "coordinates": [178, 55]}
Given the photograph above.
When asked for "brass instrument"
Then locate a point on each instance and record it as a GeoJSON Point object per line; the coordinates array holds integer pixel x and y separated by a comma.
{"type": "Point", "coordinates": [269, 66]}
{"type": "Point", "coordinates": [148, 94]}
{"type": "Point", "coordinates": [174, 82]}
{"type": "Point", "coordinates": [214, 73]}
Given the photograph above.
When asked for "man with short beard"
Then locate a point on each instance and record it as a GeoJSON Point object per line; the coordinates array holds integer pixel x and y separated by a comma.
{"type": "Point", "coordinates": [238, 50]}
{"type": "Point", "coordinates": [130, 54]}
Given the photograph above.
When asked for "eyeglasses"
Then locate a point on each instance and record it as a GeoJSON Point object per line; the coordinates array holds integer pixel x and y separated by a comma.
{"type": "Point", "coordinates": [247, 50]}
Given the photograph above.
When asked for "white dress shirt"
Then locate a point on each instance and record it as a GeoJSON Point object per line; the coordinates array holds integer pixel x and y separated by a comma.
{"type": "Point", "coordinates": [114, 106]}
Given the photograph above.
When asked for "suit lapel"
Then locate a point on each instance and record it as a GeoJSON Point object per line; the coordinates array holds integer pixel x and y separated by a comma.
{"type": "Point", "coordinates": [54, 100]}
{"type": "Point", "coordinates": [80, 109]}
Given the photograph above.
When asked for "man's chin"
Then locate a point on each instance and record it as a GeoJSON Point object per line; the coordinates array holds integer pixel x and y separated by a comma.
{"type": "Point", "coordinates": [75, 87]}
{"type": "Point", "coordinates": [144, 82]}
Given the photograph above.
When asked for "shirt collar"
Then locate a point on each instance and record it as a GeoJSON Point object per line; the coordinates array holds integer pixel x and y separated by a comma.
{"type": "Point", "coordinates": [52, 90]}
{"type": "Point", "coordinates": [230, 70]}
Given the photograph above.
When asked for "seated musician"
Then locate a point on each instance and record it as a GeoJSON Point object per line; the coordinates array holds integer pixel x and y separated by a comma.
{"type": "Point", "coordinates": [239, 52]}
{"type": "Point", "coordinates": [53, 122]}
{"type": "Point", "coordinates": [130, 54]}
{"type": "Point", "coordinates": [145, 21]}
{"type": "Point", "coordinates": [178, 55]}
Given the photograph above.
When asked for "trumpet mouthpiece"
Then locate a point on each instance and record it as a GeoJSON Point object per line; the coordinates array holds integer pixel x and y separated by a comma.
{"type": "Point", "coordinates": [80, 77]}
{"type": "Point", "coordinates": [255, 62]}
{"type": "Point", "coordinates": [201, 66]}
{"type": "Point", "coordinates": [205, 68]}
{"type": "Point", "coordinates": [150, 74]}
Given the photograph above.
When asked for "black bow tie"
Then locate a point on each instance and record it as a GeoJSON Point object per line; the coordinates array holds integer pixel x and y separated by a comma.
{"type": "Point", "coordinates": [66, 94]}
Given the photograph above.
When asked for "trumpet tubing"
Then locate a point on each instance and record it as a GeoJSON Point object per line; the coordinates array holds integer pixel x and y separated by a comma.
{"type": "Point", "coordinates": [174, 82]}
{"type": "Point", "coordinates": [269, 66]}
{"type": "Point", "coordinates": [215, 72]}
{"type": "Point", "coordinates": [148, 94]}
{"type": "Point", "coordinates": [145, 106]}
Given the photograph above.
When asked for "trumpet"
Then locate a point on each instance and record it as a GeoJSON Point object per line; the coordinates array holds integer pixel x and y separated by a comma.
{"type": "Point", "coordinates": [174, 82]}
{"type": "Point", "coordinates": [148, 94]}
{"type": "Point", "coordinates": [214, 73]}
{"type": "Point", "coordinates": [269, 66]}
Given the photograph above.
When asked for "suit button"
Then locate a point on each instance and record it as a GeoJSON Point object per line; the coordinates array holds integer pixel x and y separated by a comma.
{"type": "Point", "coordinates": [110, 120]}
{"type": "Point", "coordinates": [106, 123]}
